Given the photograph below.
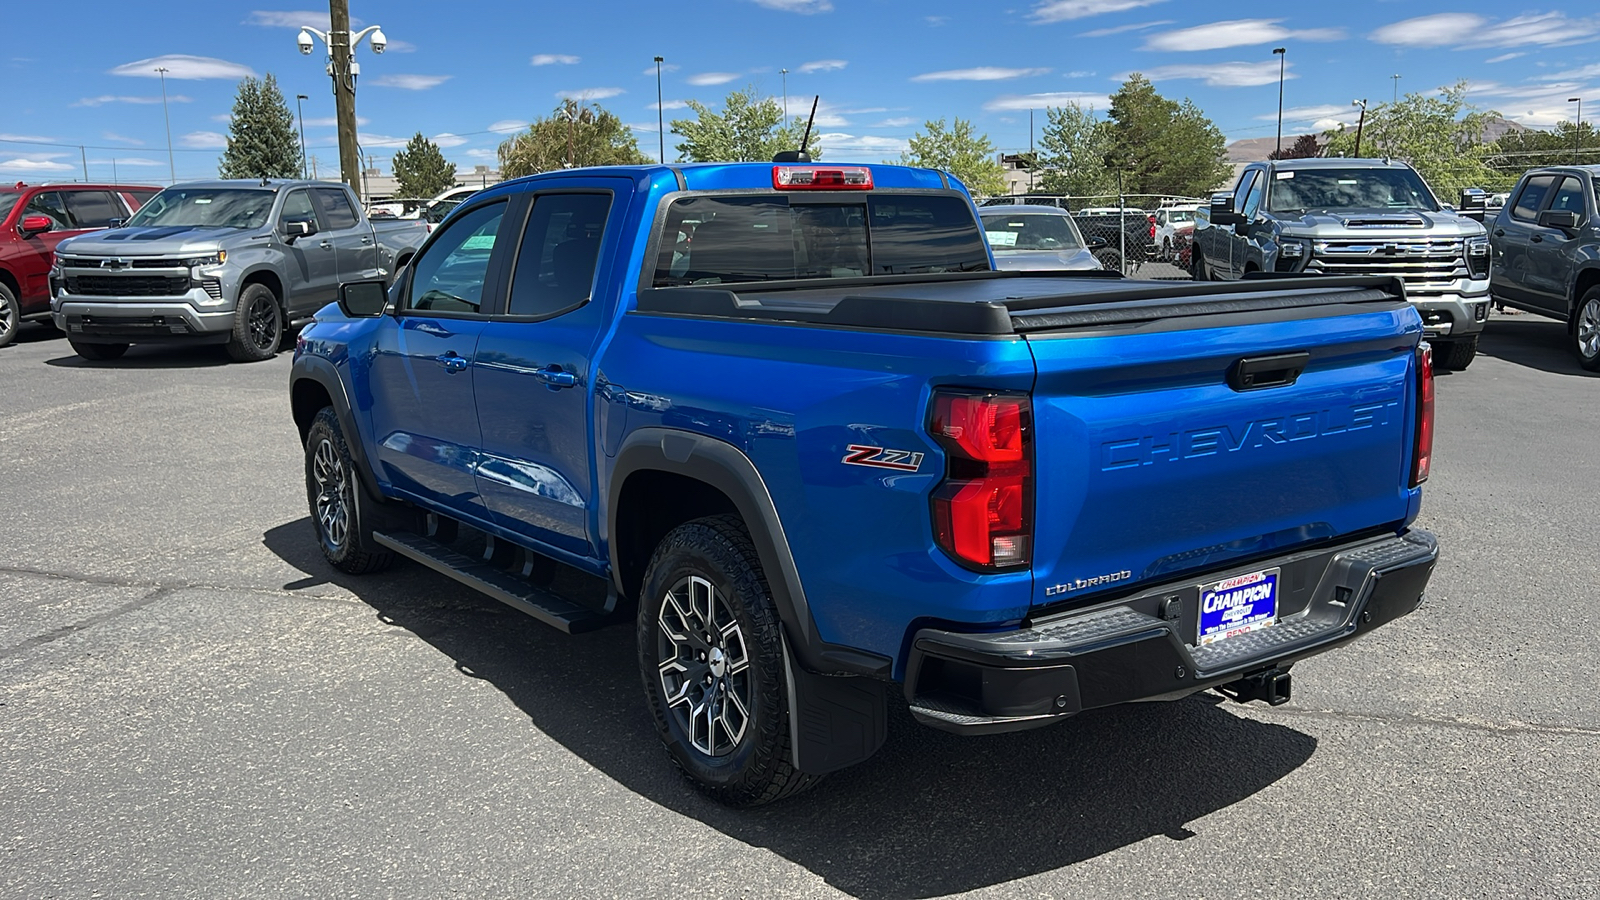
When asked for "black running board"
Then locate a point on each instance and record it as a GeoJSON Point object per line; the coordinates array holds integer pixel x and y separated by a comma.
{"type": "Point", "coordinates": [546, 606]}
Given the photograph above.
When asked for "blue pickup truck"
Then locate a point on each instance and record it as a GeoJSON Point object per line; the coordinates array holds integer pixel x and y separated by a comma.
{"type": "Point", "coordinates": [789, 420]}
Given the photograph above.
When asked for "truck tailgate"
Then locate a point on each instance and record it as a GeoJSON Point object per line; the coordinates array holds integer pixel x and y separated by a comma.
{"type": "Point", "coordinates": [1151, 465]}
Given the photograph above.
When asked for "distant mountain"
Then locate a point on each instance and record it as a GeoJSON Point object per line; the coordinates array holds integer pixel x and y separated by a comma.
{"type": "Point", "coordinates": [1251, 150]}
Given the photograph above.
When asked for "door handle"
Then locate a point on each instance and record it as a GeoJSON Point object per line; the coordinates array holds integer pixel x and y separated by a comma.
{"type": "Point", "coordinates": [452, 362]}
{"type": "Point", "coordinates": [1537, 239]}
{"type": "Point", "coordinates": [555, 378]}
{"type": "Point", "coordinates": [1499, 232]}
{"type": "Point", "coordinates": [325, 245]}
{"type": "Point", "coordinates": [365, 239]}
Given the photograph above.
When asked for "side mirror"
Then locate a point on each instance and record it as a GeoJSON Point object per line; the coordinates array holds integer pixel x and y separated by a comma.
{"type": "Point", "coordinates": [1564, 219]}
{"type": "Point", "coordinates": [117, 223]}
{"type": "Point", "coordinates": [32, 225]}
{"type": "Point", "coordinates": [293, 231]}
{"type": "Point", "coordinates": [363, 299]}
{"type": "Point", "coordinates": [1474, 204]}
{"type": "Point", "coordinates": [1096, 243]}
{"type": "Point", "coordinates": [1222, 210]}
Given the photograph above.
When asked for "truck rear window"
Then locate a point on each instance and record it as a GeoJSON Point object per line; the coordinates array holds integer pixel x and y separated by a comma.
{"type": "Point", "coordinates": [722, 239]}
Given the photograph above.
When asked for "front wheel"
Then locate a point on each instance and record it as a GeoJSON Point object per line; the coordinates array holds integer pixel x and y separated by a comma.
{"type": "Point", "coordinates": [332, 493]}
{"type": "Point", "coordinates": [10, 315]}
{"type": "Point", "coordinates": [257, 325]}
{"type": "Point", "coordinates": [712, 662]}
{"type": "Point", "coordinates": [1457, 354]}
{"type": "Point", "coordinates": [1110, 260]}
{"type": "Point", "coordinates": [1586, 330]}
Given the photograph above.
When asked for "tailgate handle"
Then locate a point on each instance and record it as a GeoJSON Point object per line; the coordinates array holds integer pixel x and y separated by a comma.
{"type": "Point", "coordinates": [1258, 372]}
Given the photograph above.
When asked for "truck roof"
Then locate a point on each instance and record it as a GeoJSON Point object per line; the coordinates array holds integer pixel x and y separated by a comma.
{"type": "Point", "coordinates": [1337, 162]}
{"type": "Point", "coordinates": [753, 175]}
{"type": "Point", "coordinates": [270, 184]}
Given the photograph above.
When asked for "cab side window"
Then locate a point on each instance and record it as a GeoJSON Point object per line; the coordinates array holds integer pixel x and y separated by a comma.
{"type": "Point", "coordinates": [556, 262]}
{"type": "Point", "coordinates": [1531, 198]}
{"type": "Point", "coordinates": [296, 208]}
{"type": "Point", "coordinates": [93, 209]}
{"type": "Point", "coordinates": [50, 204]}
{"type": "Point", "coordinates": [449, 275]}
{"type": "Point", "coordinates": [336, 209]}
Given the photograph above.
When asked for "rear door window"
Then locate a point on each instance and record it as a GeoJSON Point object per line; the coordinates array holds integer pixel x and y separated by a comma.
{"type": "Point", "coordinates": [560, 247]}
{"type": "Point", "coordinates": [1531, 197]}
{"type": "Point", "coordinates": [1569, 197]}
{"type": "Point", "coordinates": [93, 209]}
{"type": "Point", "coordinates": [336, 209]}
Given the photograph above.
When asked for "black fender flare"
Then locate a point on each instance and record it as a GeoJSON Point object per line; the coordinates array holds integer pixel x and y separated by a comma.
{"type": "Point", "coordinates": [724, 467]}
{"type": "Point", "coordinates": [322, 372]}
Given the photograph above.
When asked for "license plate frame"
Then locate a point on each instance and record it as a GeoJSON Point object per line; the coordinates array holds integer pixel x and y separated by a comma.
{"type": "Point", "coordinates": [1236, 605]}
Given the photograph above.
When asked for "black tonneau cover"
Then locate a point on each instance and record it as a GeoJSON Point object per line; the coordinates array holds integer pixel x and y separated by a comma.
{"type": "Point", "coordinates": [1006, 303]}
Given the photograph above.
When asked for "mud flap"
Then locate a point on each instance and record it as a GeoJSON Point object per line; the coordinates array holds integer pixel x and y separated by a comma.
{"type": "Point", "coordinates": [834, 722]}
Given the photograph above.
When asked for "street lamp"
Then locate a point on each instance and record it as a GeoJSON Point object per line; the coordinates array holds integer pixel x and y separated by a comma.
{"type": "Point", "coordinates": [172, 167]}
{"type": "Point", "coordinates": [661, 118]}
{"type": "Point", "coordinates": [1396, 88]}
{"type": "Point", "coordinates": [1359, 123]}
{"type": "Point", "coordinates": [301, 110]}
{"type": "Point", "coordinates": [785, 74]}
{"type": "Point", "coordinates": [1577, 129]}
{"type": "Point", "coordinates": [344, 70]}
{"type": "Point", "coordinates": [1282, 54]}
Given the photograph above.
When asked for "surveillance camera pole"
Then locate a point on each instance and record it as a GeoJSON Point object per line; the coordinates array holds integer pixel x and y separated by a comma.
{"type": "Point", "coordinates": [341, 66]}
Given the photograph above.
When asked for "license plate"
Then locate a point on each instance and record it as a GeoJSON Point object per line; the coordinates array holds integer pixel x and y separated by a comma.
{"type": "Point", "coordinates": [1238, 605]}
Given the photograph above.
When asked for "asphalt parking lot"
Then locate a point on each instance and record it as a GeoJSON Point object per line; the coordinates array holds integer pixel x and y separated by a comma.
{"type": "Point", "coordinates": [193, 705]}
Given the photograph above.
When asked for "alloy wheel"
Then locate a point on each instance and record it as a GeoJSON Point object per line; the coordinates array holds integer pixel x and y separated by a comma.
{"type": "Point", "coordinates": [703, 666]}
{"type": "Point", "coordinates": [1589, 329]}
{"type": "Point", "coordinates": [263, 321]}
{"type": "Point", "coordinates": [333, 494]}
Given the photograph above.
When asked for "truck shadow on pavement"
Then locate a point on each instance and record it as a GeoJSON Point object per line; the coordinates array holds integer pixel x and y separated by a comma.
{"type": "Point", "coordinates": [930, 814]}
{"type": "Point", "coordinates": [148, 357]}
{"type": "Point", "coordinates": [1533, 341]}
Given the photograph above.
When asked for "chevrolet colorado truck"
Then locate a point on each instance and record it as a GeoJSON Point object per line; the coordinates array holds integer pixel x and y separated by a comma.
{"type": "Point", "coordinates": [235, 262]}
{"type": "Point", "coordinates": [1547, 252]}
{"type": "Point", "coordinates": [1353, 217]}
{"type": "Point", "coordinates": [34, 218]}
{"type": "Point", "coordinates": [789, 420]}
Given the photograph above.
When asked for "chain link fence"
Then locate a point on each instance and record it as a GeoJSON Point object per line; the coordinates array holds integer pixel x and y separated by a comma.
{"type": "Point", "coordinates": [1142, 235]}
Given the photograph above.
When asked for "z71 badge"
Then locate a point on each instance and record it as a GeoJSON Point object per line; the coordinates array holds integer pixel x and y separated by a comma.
{"type": "Point", "coordinates": [882, 458]}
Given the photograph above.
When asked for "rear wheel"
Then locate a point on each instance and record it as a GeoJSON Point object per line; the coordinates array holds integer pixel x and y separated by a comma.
{"type": "Point", "coordinates": [712, 663]}
{"type": "Point", "coordinates": [1109, 259]}
{"type": "Point", "coordinates": [1586, 330]}
{"type": "Point", "coordinates": [257, 325]}
{"type": "Point", "coordinates": [10, 315]}
{"type": "Point", "coordinates": [101, 352]}
{"type": "Point", "coordinates": [1456, 354]}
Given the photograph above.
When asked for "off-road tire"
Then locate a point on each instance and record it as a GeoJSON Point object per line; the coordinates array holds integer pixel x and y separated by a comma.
{"type": "Point", "coordinates": [1197, 265]}
{"type": "Point", "coordinates": [1585, 330]}
{"type": "Point", "coordinates": [1110, 259]}
{"type": "Point", "coordinates": [10, 315]}
{"type": "Point", "coordinates": [99, 352]}
{"type": "Point", "coordinates": [340, 508]}
{"type": "Point", "coordinates": [257, 325]}
{"type": "Point", "coordinates": [1456, 354]}
{"type": "Point", "coordinates": [717, 550]}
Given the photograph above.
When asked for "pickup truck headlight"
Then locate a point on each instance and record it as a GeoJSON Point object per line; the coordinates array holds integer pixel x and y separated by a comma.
{"type": "Point", "coordinates": [1292, 249]}
{"type": "Point", "coordinates": [1478, 256]}
{"type": "Point", "coordinates": [215, 259]}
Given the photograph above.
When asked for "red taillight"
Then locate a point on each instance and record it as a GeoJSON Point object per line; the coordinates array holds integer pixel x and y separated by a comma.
{"type": "Point", "coordinates": [1422, 458]}
{"type": "Point", "coordinates": [1152, 225]}
{"type": "Point", "coordinates": [983, 511]}
{"type": "Point", "coordinates": [822, 178]}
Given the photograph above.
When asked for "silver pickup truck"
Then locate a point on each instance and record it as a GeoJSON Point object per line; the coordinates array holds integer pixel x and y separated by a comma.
{"type": "Point", "coordinates": [234, 262]}
{"type": "Point", "coordinates": [1355, 217]}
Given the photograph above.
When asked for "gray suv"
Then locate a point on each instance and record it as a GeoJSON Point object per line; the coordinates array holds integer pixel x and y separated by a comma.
{"type": "Point", "coordinates": [1354, 217]}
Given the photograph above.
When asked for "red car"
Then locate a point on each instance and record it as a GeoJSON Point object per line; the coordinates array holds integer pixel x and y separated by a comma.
{"type": "Point", "coordinates": [33, 220]}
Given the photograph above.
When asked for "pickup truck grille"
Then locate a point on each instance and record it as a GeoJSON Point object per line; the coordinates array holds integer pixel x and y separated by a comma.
{"type": "Point", "coordinates": [127, 285]}
{"type": "Point", "coordinates": [1425, 264]}
{"type": "Point", "coordinates": [70, 262]}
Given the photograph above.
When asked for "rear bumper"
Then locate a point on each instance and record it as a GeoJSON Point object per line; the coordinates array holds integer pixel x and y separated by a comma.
{"type": "Point", "coordinates": [108, 320]}
{"type": "Point", "coordinates": [1140, 648]}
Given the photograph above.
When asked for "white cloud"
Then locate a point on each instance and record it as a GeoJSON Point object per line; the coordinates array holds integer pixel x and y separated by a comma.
{"type": "Point", "coordinates": [1235, 33]}
{"type": "Point", "coordinates": [121, 139]}
{"type": "Point", "coordinates": [804, 7]}
{"type": "Point", "coordinates": [447, 140]}
{"type": "Point", "coordinates": [981, 73]}
{"type": "Point", "coordinates": [709, 78]}
{"type": "Point", "coordinates": [587, 94]}
{"type": "Point", "coordinates": [1048, 11]}
{"type": "Point", "coordinates": [834, 142]}
{"type": "Point", "coordinates": [204, 140]}
{"type": "Point", "coordinates": [1585, 72]}
{"type": "Point", "coordinates": [1465, 31]}
{"type": "Point", "coordinates": [317, 19]}
{"type": "Point", "coordinates": [222, 117]}
{"type": "Point", "coordinates": [27, 139]}
{"type": "Point", "coordinates": [1041, 101]}
{"type": "Point", "coordinates": [508, 126]}
{"type": "Point", "coordinates": [1078, 74]}
{"type": "Point", "coordinates": [665, 67]}
{"type": "Point", "coordinates": [181, 66]}
{"type": "Point", "coordinates": [823, 65]}
{"type": "Point", "coordinates": [127, 161]}
{"type": "Point", "coordinates": [371, 141]}
{"type": "Point", "coordinates": [935, 21]}
{"type": "Point", "coordinates": [481, 153]}
{"type": "Point", "coordinates": [1137, 26]}
{"type": "Point", "coordinates": [411, 82]}
{"type": "Point", "coordinates": [670, 104]}
{"type": "Point", "coordinates": [318, 121]}
{"type": "Point", "coordinates": [23, 164]}
{"type": "Point", "coordinates": [1313, 113]}
{"type": "Point", "coordinates": [103, 99]}
{"type": "Point", "coordinates": [553, 59]}
{"type": "Point", "coordinates": [895, 122]}
{"type": "Point", "coordinates": [395, 46]}
{"type": "Point", "coordinates": [1504, 57]}
{"type": "Point", "coordinates": [1228, 74]}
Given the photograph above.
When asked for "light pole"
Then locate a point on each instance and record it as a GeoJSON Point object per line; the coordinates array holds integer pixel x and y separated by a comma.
{"type": "Point", "coordinates": [1359, 123]}
{"type": "Point", "coordinates": [1282, 54]}
{"type": "Point", "coordinates": [344, 71]}
{"type": "Point", "coordinates": [1577, 129]}
{"type": "Point", "coordinates": [785, 74]}
{"type": "Point", "coordinates": [301, 110]}
{"type": "Point", "coordinates": [1396, 89]}
{"type": "Point", "coordinates": [172, 167]}
{"type": "Point", "coordinates": [661, 117]}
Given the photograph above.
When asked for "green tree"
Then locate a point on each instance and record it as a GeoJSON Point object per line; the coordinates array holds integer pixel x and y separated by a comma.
{"type": "Point", "coordinates": [960, 151]}
{"type": "Point", "coordinates": [261, 137]}
{"type": "Point", "coordinates": [1073, 153]}
{"type": "Point", "coordinates": [1517, 151]}
{"type": "Point", "coordinates": [420, 169]}
{"type": "Point", "coordinates": [573, 134]}
{"type": "Point", "coordinates": [1440, 136]}
{"type": "Point", "coordinates": [748, 129]}
{"type": "Point", "coordinates": [1161, 146]}
{"type": "Point", "coordinates": [1306, 146]}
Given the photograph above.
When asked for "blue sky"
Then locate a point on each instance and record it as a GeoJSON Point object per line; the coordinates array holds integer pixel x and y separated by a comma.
{"type": "Point", "coordinates": [466, 74]}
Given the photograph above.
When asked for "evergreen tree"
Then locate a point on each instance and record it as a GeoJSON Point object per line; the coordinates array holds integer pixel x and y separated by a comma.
{"type": "Point", "coordinates": [420, 169]}
{"type": "Point", "coordinates": [1161, 146]}
{"type": "Point", "coordinates": [961, 152]}
{"type": "Point", "coordinates": [749, 129]}
{"type": "Point", "coordinates": [261, 137]}
{"type": "Point", "coordinates": [1074, 146]}
{"type": "Point", "coordinates": [573, 134]}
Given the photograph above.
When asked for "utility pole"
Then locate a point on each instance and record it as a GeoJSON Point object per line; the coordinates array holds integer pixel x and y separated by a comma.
{"type": "Point", "coordinates": [172, 167]}
{"type": "Point", "coordinates": [1577, 129]}
{"type": "Point", "coordinates": [661, 119]}
{"type": "Point", "coordinates": [85, 162]}
{"type": "Point", "coordinates": [1032, 160]}
{"type": "Point", "coordinates": [785, 74]}
{"type": "Point", "coordinates": [344, 93]}
{"type": "Point", "coordinates": [1282, 54]}
{"type": "Point", "coordinates": [1359, 123]}
{"type": "Point", "coordinates": [298, 99]}
{"type": "Point", "coordinates": [572, 118]}
{"type": "Point", "coordinates": [1396, 89]}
